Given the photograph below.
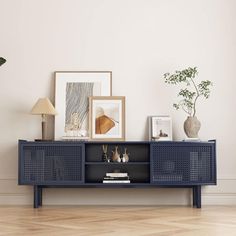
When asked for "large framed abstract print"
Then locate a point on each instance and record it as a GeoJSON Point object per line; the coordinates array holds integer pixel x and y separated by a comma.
{"type": "Point", "coordinates": [72, 92]}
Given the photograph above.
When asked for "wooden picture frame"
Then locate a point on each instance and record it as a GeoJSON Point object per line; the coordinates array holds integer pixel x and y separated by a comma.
{"type": "Point", "coordinates": [160, 128]}
{"type": "Point", "coordinates": [72, 91]}
{"type": "Point", "coordinates": [107, 118]}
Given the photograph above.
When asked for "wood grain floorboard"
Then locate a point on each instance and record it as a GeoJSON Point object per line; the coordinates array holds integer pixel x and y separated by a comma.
{"type": "Point", "coordinates": [118, 221]}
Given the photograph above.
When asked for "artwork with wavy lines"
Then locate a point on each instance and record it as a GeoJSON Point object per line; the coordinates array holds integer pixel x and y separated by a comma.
{"type": "Point", "coordinates": [72, 92]}
{"type": "Point", "coordinates": [77, 106]}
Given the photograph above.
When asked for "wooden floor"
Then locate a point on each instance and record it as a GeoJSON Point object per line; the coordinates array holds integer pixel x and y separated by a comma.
{"type": "Point", "coordinates": [118, 220]}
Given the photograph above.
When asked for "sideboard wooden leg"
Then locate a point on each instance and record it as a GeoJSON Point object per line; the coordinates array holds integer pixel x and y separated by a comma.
{"type": "Point", "coordinates": [36, 196]}
{"type": "Point", "coordinates": [40, 196]}
{"type": "Point", "coordinates": [199, 196]}
{"type": "Point", "coordinates": [194, 196]}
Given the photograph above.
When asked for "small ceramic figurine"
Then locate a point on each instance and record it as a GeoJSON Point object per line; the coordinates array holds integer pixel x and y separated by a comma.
{"type": "Point", "coordinates": [116, 155]}
{"type": "Point", "coordinates": [105, 157]}
{"type": "Point", "coordinates": [125, 157]}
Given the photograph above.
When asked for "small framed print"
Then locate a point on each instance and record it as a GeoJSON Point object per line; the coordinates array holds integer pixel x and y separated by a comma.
{"type": "Point", "coordinates": [107, 118]}
{"type": "Point", "coordinates": [160, 128]}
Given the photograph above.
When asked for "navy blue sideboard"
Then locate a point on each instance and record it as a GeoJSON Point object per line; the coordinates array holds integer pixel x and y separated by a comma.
{"type": "Point", "coordinates": [151, 165]}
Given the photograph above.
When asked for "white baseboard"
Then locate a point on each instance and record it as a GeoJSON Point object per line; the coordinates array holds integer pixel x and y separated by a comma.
{"type": "Point", "coordinates": [15, 199]}
{"type": "Point", "coordinates": [219, 199]}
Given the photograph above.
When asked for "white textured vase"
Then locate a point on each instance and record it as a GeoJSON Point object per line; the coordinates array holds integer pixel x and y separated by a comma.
{"type": "Point", "coordinates": [191, 126]}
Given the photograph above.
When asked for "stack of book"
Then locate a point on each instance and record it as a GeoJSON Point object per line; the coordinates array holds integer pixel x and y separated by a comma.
{"type": "Point", "coordinates": [119, 178]}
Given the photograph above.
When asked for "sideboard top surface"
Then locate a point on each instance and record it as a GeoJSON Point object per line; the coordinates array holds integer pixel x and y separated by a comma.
{"type": "Point", "coordinates": [116, 142]}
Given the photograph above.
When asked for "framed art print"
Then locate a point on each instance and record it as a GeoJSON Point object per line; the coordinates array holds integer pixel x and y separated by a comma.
{"type": "Point", "coordinates": [72, 92]}
{"type": "Point", "coordinates": [107, 118]}
{"type": "Point", "coordinates": [160, 128]}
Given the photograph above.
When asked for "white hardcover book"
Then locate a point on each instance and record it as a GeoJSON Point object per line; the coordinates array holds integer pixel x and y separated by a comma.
{"type": "Point", "coordinates": [117, 174]}
{"type": "Point", "coordinates": [116, 181]}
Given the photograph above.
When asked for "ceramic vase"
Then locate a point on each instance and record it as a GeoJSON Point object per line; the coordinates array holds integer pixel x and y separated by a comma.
{"type": "Point", "coordinates": [192, 126]}
{"type": "Point", "coordinates": [125, 157]}
{"type": "Point", "coordinates": [116, 155]}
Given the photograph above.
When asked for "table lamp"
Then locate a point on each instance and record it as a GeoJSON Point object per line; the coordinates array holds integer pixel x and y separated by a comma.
{"type": "Point", "coordinates": [43, 107]}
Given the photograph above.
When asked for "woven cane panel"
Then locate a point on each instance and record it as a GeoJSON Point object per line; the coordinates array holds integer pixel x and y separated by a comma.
{"type": "Point", "coordinates": [182, 164]}
{"type": "Point", "coordinates": [52, 163]}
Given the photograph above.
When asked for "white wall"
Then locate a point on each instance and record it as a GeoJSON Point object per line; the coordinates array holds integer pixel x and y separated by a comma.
{"type": "Point", "coordinates": [138, 40]}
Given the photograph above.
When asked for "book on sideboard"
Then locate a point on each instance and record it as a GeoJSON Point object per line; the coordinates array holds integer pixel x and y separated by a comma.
{"type": "Point", "coordinates": [116, 181]}
{"type": "Point", "coordinates": [116, 178]}
{"type": "Point", "coordinates": [113, 174]}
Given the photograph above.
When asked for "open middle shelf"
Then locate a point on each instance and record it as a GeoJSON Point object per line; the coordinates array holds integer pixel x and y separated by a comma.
{"type": "Point", "coordinates": [117, 163]}
{"type": "Point", "coordinates": [137, 168]}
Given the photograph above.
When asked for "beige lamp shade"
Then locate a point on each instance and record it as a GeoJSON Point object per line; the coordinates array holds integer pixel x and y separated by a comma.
{"type": "Point", "coordinates": [43, 107]}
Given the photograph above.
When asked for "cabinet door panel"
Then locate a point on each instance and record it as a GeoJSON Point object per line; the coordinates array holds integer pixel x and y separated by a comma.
{"type": "Point", "coordinates": [177, 163]}
{"type": "Point", "coordinates": [51, 164]}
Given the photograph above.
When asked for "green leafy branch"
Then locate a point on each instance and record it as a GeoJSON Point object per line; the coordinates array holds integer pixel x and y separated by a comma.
{"type": "Point", "coordinates": [191, 93]}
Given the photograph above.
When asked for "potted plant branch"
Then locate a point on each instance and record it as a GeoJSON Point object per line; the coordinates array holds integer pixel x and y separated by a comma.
{"type": "Point", "coordinates": [189, 96]}
{"type": "Point", "coordinates": [2, 61]}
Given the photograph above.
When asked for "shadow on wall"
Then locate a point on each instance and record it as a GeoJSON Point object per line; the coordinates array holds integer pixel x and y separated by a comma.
{"type": "Point", "coordinates": [9, 161]}
{"type": "Point", "coordinates": [50, 119]}
{"type": "Point", "coordinates": [127, 196]}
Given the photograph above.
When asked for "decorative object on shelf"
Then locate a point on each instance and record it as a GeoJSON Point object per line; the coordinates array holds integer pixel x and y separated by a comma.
{"type": "Point", "coordinates": [192, 126]}
{"type": "Point", "coordinates": [116, 155]}
{"type": "Point", "coordinates": [72, 91]}
{"type": "Point", "coordinates": [43, 107]}
{"type": "Point", "coordinates": [125, 156]}
{"type": "Point", "coordinates": [160, 128]}
{"type": "Point", "coordinates": [107, 118]}
{"type": "Point", "coordinates": [2, 60]}
{"type": "Point", "coordinates": [189, 96]}
{"type": "Point", "coordinates": [105, 157]}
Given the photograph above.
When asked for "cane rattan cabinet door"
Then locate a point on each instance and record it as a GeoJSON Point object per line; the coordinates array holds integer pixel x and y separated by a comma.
{"type": "Point", "coordinates": [183, 163]}
{"type": "Point", "coordinates": [50, 163]}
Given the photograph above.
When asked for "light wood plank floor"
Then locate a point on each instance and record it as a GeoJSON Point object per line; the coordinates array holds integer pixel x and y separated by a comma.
{"type": "Point", "coordinates": [118, 220]}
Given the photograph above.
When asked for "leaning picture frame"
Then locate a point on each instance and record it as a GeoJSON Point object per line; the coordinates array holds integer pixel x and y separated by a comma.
{"type": "Point", "coordinates": [72, 92]}
{"type": "Point", "coordinates": [107, 118]}
{"type": "Point", "coordinates": [160, 128]}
